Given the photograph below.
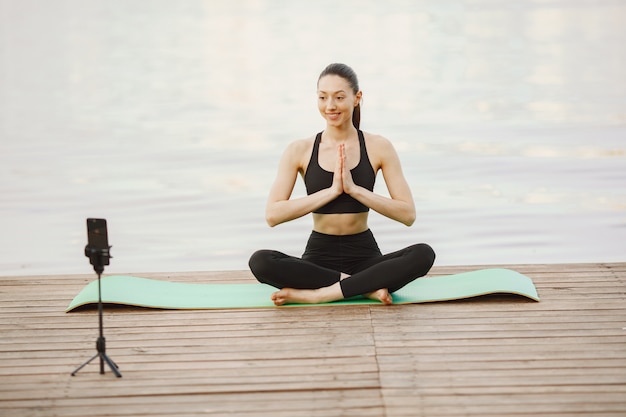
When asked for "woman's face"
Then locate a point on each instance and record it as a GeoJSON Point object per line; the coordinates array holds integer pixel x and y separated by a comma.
{"type": "Point", "coordinates": [336, 100]}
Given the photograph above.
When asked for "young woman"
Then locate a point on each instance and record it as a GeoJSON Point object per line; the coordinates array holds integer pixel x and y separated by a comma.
{"type": "Point", "coordinates": [339, 167]}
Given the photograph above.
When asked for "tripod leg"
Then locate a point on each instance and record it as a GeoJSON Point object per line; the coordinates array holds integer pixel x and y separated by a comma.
{"type": "Point", "coordinates": [111, 364]}
{"type": "Point", "coordinates": [85, 364]}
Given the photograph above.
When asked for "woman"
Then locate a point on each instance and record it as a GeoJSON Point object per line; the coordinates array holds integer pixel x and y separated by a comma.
{"type": "Point", "coordinates": [339, 167]}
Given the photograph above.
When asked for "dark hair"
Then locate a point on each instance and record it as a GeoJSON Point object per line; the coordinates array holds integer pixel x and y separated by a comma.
{"type": "Point", "coordinates": [347, 73]}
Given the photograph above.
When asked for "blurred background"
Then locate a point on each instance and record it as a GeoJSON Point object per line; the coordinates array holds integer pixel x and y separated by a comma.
{"type": "Point", "coordinates": [168, 119]}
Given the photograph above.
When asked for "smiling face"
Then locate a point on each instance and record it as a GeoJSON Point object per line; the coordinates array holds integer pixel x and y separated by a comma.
{"type": "Point", "coordinates": [336, 100]}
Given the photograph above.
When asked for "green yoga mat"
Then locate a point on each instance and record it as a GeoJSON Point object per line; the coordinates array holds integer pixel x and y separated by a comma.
{"type": "Point", "coordinates": [144, 292]}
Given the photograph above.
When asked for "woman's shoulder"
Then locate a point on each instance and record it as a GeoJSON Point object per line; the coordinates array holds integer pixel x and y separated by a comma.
{"type": "Point", "coordinates": [301, 145]}
{"type": "Point", "coordinates": [299, 150]}
{"type": "Point", "coordinates": [377, 142]}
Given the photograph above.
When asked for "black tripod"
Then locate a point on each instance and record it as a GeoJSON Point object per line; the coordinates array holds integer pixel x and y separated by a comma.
{"type": "Point", "coordinates": [99, 258]}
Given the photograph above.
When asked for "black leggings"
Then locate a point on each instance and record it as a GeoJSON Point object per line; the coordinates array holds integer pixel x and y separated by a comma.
{"type": "Point", "coordinates": [327, 256]}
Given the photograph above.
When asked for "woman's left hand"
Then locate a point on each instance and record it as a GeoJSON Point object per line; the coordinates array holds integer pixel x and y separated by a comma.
{"type": "Point", "coordinates": [346, 175]}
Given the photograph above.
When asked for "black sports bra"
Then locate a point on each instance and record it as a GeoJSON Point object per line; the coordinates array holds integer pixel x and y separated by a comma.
{"type": "Point", "coordinates": [316, 179]}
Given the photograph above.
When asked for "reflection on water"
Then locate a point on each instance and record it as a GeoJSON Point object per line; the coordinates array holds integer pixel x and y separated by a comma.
{"type": "Point", "coordinates": [168, 119]}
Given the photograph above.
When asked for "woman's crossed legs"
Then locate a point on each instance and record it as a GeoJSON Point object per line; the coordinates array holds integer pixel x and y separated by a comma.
{"type": "Point", "coordinates": [304, 281]}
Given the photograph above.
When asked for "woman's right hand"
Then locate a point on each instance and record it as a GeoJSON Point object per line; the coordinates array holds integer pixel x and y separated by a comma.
{"type": "Point", "coordinates": [337, 185]}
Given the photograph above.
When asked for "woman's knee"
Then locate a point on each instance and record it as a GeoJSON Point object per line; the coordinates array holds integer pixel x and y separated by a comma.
{"type": "Point", "coordinates": [260, 263]}
{"type": "Point", "coordinates": [424, 256]}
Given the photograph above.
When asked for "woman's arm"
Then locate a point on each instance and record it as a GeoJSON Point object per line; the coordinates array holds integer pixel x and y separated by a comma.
{"type": "Point", "coordinates": [400, 206]}
{"type": "Point", "coordinates": [280, 207]}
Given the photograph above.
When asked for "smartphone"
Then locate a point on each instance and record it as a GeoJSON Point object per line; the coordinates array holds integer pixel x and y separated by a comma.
{"type": "Point", "coordinates": [97, 234]}
{"type": "Point", "coordinates": [98, 239]}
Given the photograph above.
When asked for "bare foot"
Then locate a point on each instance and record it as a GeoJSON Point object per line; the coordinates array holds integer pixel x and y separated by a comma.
{"type": "Point", "coordinates": [291, 295]}
{"type": "Point", "coordinates": [381, 295]}
{"type": "Point", "coordinates": [320, 295]}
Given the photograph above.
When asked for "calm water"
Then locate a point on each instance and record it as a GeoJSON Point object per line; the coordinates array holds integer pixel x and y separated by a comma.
{"type": "Point", "coordinates": [168, 120]}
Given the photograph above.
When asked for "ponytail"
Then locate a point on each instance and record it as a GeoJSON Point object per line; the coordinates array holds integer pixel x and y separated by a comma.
{"type": "Point", "coordinates": [356, 116]}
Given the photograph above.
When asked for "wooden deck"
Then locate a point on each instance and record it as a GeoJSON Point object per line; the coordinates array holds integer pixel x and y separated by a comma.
{"type": "Point", "coordinates": [489, 356]}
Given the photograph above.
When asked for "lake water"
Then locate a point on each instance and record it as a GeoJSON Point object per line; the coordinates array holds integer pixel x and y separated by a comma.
{"type": "Point", "coordinates": [168, 119]}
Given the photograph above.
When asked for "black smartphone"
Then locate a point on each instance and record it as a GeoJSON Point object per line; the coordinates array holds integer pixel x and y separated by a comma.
{"type": "Point", "coordinates": [97, 234]}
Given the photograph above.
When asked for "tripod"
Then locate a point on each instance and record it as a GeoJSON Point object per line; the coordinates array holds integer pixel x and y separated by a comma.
{"type": "Point", "coordinates": [99, 258]}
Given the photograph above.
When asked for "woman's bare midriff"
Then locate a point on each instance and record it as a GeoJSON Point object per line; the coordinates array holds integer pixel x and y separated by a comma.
{"type": "Point", "coordinates": [340, 224]}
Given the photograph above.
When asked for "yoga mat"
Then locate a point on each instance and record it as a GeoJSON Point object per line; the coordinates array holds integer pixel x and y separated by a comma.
{"type": "Point", "coordinates": [144, 292]}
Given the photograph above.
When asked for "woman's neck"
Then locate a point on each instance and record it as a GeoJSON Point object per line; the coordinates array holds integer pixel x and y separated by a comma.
{"type": "Point", "coordinates": [340, 133]}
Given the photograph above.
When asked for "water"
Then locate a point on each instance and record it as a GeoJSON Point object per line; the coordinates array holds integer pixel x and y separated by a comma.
{"type": "Point", "coordinates": [168, 119]}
